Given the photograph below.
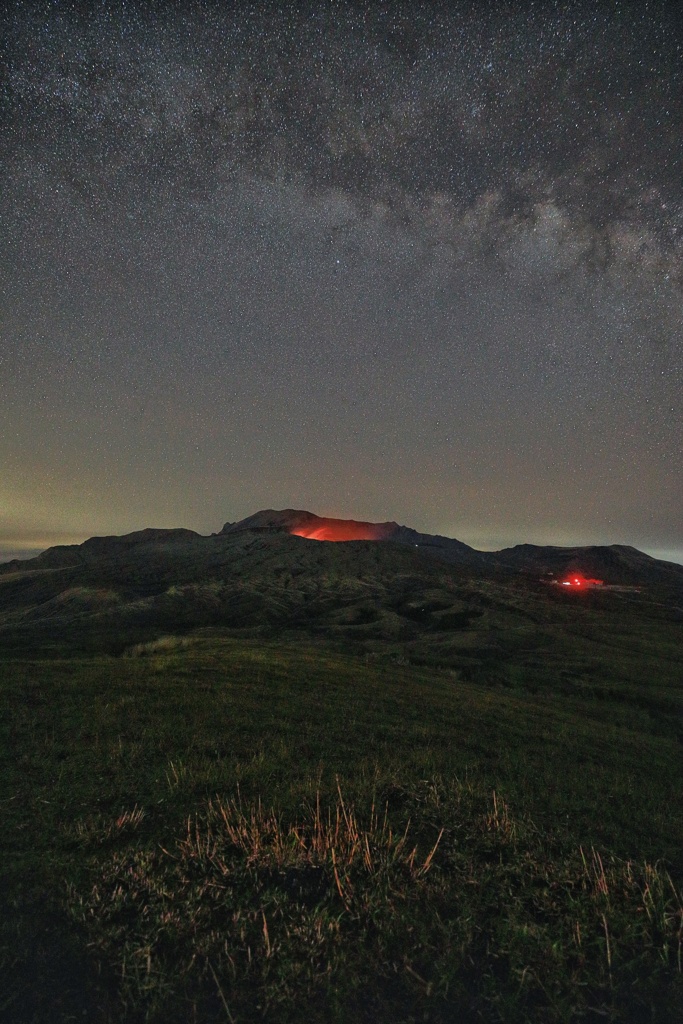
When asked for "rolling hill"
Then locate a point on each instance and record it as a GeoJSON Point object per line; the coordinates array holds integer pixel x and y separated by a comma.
{"type": "Point", "coordinates": [426, 597]}
{"type": "Point", "coordinates": [382, 780]}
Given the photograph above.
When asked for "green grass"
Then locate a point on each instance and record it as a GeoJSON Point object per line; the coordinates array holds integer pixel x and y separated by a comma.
{"type": "Point", "coordinates": [216, 829]}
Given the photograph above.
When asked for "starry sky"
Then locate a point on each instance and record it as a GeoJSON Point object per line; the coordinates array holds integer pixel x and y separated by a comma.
{"type": "Point", "coordinates": [420, 262]}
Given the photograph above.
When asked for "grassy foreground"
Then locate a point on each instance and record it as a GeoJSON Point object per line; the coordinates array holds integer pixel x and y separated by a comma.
{"type": "Point", "coordinates": [226, 830]}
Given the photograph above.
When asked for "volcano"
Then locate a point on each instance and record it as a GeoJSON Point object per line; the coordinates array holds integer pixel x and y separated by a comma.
{"type": "Point", "coordinates": [155, 548]}
{"type": "Point", "coordinates": [613, 563]}
{"type": "Point", "coordinates": [271, 572]}
{"type": "Point", "coordinates": [298, 523]}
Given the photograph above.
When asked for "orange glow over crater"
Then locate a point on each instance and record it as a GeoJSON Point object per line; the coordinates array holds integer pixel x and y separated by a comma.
{"type": "Point", "coordinates": [339, 529]}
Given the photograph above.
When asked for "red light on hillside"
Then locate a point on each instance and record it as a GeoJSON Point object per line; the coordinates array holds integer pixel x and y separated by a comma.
{"type": "Point", "coordinates": [579, 582]}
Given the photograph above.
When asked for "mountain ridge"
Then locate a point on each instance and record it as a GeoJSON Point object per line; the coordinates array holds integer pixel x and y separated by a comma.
{"type": "Point", "coordinates": [416, 595]}
{"type": "Point", "coordinates": [615, 563]}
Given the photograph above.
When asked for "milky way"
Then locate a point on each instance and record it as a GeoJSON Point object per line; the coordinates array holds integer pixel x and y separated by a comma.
{"type": "Point", "coordinates": [421, 263]}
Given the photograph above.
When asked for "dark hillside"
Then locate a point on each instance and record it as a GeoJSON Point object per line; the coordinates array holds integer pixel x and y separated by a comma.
{"type": "Point", "coordinates": [417, 787]}
{"type": "Point", "coordinates": [282, 827]}
{"type": "Point", "coordinates": [616, 564]}
{"type": "Point", "coordinates": [386, 601]}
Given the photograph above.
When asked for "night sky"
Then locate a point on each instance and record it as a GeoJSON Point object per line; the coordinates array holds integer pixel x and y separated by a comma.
{"type": "Point", "coordinates": [378, 261]}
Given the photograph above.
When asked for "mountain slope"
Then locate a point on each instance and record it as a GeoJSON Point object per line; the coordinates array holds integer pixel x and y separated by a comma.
{"type": "Point", "coordinates": [306, 524]}
{"type": "Point", "coordinates": [410, 594]}
{"type": "Point", "coordinates": [615, 563]}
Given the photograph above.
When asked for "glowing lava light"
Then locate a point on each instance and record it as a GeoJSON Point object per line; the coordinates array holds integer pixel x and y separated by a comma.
{"type": "Point", "coordinates": [335, 530]}
{"type": "Point", "coordinates": [580, 582]}
{"type": "Point", "coordinates": [318, 528]}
